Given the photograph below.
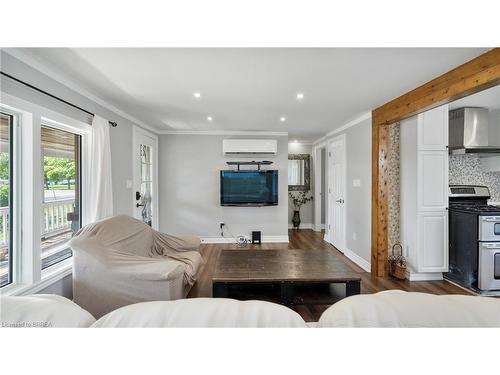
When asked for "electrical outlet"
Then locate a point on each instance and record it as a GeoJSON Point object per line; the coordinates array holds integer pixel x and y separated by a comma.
{"type": "Point", "coordinates": [221, 224]}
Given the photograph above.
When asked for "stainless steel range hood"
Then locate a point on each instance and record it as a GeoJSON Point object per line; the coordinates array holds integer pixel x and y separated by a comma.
{"type": "Point", "coordinates": [469, 132]}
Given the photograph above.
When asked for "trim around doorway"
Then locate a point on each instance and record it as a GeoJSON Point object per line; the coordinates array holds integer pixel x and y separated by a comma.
{"type": "Point", "coordinates": [136, 130]}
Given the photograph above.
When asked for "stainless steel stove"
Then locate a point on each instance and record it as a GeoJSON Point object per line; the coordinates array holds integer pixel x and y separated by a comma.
{"type": "Point", "coordinates": [474, 239]}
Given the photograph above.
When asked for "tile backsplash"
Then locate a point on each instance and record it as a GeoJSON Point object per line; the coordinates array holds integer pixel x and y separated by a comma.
{"type": "Point", "coordinates": [393, 168]}
{"type": "Point", "coordinates": [467, 170]}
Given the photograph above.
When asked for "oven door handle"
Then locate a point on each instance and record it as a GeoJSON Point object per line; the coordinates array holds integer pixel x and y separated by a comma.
{"type": "Point", "coordinates": [491, 245]}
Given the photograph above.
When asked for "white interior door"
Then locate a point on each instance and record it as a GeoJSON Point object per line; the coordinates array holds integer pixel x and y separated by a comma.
{"type": "Point", "coordinates": [336, 192]}
{"type": "Point", "coordinates": [145, 189]}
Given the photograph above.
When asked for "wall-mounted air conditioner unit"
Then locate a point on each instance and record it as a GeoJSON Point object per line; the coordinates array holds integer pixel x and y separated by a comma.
{"type": "Point", "coordinates": [249, 147]}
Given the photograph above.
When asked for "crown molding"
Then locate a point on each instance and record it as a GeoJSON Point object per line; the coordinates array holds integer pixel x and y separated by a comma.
{"type": "Point", "coordinates": [350, 124]}
{"type": "Point", "coordinates": [223, 132]}
{"type": "Point", "coordinates": [38, 65]}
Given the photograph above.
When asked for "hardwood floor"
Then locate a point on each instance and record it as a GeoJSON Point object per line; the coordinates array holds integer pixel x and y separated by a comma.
{"type": "Point", "coordinates": [309, 239]}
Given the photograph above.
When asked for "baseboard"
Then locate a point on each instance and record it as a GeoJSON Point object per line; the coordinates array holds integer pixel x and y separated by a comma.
{"type": "Point", "coordinates": [265, 239]}
{"type": "Point", "coordinates": [364, 264]}
{"type": "Point", "coordinates": [319, 227]}
{"type": "Point", "coordinates": [302, 226]}
{"type": "Point", "coordinates": [429, 276]}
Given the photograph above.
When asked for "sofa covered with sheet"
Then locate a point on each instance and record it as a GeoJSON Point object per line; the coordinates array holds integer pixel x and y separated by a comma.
{"type": "Point", "coordinates": [121, 261]}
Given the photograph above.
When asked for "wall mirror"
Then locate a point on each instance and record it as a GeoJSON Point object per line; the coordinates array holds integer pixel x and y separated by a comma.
{"type": "Point", "coordinates": [299, 166]}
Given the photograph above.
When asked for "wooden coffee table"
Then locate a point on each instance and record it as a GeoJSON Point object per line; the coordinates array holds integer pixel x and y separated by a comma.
{"type": "Point", "coordinates": [286, 268]}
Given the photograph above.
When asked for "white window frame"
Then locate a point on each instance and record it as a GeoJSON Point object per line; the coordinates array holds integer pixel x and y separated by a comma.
{"type": "Point", "coordinates": [28, 276]}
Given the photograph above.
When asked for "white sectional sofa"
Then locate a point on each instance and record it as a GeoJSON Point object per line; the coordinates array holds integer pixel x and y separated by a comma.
{"type": "Point", "coordinates": [42, 311]}
{"type": "Point", "coordinates": [384, 309]}
{"type": "Point", "coordinates": [396, 308]}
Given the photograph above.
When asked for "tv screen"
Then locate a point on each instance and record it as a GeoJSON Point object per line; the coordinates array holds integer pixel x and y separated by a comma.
{"type": "Point", "coordinates": [249, 188]}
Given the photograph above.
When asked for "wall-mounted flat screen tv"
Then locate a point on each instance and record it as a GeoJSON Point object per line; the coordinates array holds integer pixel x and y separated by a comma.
{"type": "Point", "coordinates": [249, 188]}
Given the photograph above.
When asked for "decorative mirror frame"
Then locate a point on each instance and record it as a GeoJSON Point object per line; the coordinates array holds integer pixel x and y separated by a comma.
{"type": "Point", "coordinates": [307, 172]}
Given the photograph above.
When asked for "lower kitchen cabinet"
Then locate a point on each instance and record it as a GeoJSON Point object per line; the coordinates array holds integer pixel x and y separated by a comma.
{"type": "Point", "coordinates": [432, 242]}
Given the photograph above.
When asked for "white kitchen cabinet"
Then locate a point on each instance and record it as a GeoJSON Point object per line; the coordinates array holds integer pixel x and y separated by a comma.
{"type": "Point", "coordinates": [424, 193]}
{"type": "Point", "coordinates": [433, 129]}
{"type": "Point", "coordinates": [432, 240]}
{"type": "Point", "coordinates": [432, 169]}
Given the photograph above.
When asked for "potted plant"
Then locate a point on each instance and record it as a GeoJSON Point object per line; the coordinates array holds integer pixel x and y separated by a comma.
{"type": "Point", "coordinates": [298, 200]}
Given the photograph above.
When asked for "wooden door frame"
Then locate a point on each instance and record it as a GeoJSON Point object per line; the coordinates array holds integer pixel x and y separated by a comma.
{"type": "Point", "coordinates": [476, 75]}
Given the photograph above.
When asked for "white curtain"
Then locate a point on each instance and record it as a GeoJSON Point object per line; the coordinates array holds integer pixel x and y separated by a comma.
{"type": "Point", "coordinates": [100, 191]}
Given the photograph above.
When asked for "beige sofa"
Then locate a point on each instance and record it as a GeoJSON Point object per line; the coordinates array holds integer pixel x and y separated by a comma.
{"type": "Point", "coordinates": [121, 261]}
{"type": "Point", "coordinates": [384, 309]}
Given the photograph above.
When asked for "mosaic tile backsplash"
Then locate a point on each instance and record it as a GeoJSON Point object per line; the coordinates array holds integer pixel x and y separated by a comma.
{"type": "Point", "coordinates": [467, 170]}
{"type": "Point", "coordinates": [394, 185]}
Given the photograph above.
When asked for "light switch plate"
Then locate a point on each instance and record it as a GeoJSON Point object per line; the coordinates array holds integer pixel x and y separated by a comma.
{"type": "Point", "coordinates": [356, 183]}
{"type": "Point", "coordinates": [128, 184]}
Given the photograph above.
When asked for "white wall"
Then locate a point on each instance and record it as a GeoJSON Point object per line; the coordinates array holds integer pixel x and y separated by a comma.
{"type": "Point", "coordinates": [306, 211]}
{"type": "Point", "coordinates": [358, 199]}
{"type": "Point", "coordinates": [189, 190]}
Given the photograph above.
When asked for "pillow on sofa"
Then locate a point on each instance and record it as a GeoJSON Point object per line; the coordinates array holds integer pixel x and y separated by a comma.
{"type": "Point", "coordinates": [42, 310]}
{"type": "Point", "coordinates": [202, 312]}
{"type": "Point", "coordinates": [396, 308]}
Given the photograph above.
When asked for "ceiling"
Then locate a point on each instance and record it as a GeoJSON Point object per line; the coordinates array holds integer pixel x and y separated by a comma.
{"type": "Point", "coordinates": [250, 89]}
{"type": "Point", "coordinates": [489, 98]}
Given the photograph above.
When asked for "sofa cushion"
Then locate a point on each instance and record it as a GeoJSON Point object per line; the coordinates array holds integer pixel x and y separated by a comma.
{"type": "Point", "coordinates": [202, 312]}
{"type": "Point", "coordinates": [42, 310]}
{"type": "Point", "coordinates": [402, 309]}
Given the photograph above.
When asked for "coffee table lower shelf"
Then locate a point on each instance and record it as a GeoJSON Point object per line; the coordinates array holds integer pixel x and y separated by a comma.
{"type": "Point", "coordinates": [289, 291]}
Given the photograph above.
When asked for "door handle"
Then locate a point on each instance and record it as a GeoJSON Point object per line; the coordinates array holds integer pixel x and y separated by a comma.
{"type": "Point", "coordinates": [139, 205]}
{"type": "Point", "coordinates": [340, 200]}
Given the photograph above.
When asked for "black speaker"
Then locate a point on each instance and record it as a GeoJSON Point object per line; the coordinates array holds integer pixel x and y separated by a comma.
{"type": "Point", "coordinates": [256, 237]}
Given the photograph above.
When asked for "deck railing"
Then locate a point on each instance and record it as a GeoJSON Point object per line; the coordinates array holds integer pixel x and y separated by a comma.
{"type": "Point", "coordinates": [54, 221]}
{"type": "Point", "coordinates": [55, 216]}
{"type": "Point", "coordinates": [4, 217]}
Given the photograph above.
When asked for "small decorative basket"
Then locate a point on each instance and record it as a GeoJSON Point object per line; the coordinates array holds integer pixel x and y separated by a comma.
{"type": "Point", "coordinates": [397, 262]}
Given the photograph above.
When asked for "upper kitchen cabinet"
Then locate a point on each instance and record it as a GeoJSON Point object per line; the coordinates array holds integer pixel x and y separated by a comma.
{"type": "Point", "coordinates": [433, 129]}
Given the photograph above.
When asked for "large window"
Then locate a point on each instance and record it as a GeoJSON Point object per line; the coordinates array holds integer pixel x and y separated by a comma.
{"type": "Point", "coordinates": [61, 198]}
{"type": "Point", "coordinates": [43, 174]}
{"type": "Point", "coordinates": [6, 191]}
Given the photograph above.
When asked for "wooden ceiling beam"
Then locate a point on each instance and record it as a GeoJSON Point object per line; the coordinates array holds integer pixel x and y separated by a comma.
{"type": "Point", "coordinates": [476, 75]}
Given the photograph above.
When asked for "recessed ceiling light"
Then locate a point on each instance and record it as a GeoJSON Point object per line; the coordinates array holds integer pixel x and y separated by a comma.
{"type": "Point", "coordinates": [209, 118]}
{"type": "Point", "coordinates": [282, 119]}
{"type": "Point", "coordinates": [300, 96]}
{"type": "Point", "coordinates": [197, 95]}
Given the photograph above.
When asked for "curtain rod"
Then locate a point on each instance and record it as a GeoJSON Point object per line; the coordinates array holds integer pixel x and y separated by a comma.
{"type": "Point", "coordinates": [112, 123]}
